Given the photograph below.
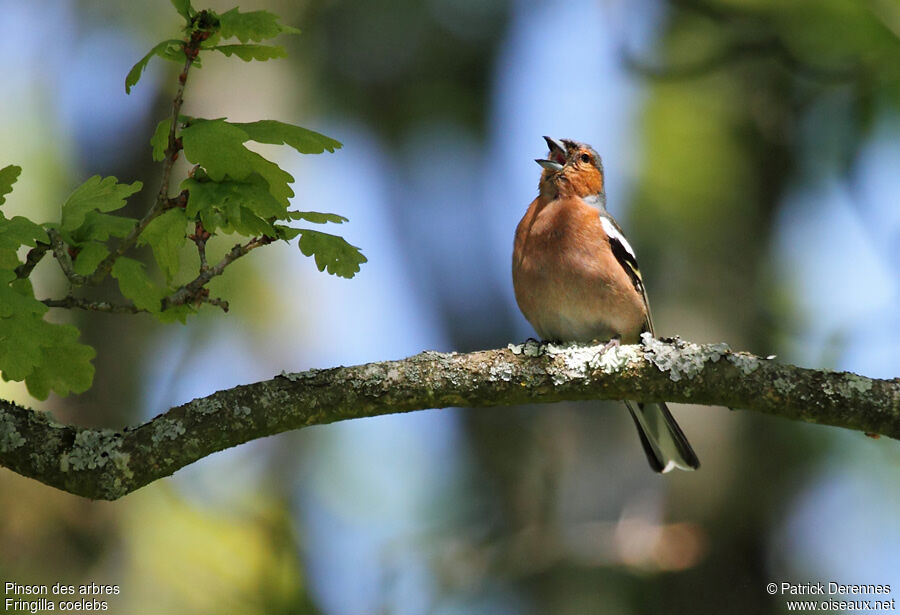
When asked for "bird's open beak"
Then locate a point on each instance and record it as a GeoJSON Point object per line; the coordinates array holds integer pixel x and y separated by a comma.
{"type": "Point", "coordinates": [557, 157]}
{"type": "Point", "coordinates": [549, 164]}
{"type": "Point", "coordinates": [557, 149]}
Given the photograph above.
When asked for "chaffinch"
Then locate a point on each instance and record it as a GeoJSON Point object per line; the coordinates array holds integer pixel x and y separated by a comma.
{"type": "Point", "coordinates": [576, 279]}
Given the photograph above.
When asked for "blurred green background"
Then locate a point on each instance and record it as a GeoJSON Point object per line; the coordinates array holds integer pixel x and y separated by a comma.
{"type": "Point", "coordinates": [752, 150]}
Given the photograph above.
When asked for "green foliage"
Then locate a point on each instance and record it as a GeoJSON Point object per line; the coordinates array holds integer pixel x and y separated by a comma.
{"type": "Point", "coordinates": [165, 235]}
{"type": "Point", "coordinates": [16, 301]}
{"type": "Point", "coordinates": [252, 26]}
{"type": "Point", "coordinates": [100, 227]}
{"type": "Point", "coordinates": [218, 147]}
{"type": "Point", "coordinates": [8, 176]}
{"type": "Point", "coordinates": [301, 139]}
{"type": "Point", "coordinates": [89, 256]}
{"type": "Point", "coordinates": [96, 194]}
{"type": "Point", "coordinates": [175, 313]}
{"type": "Point", "coordinates": [19, 231]}
{"type": "Point", "coordinates": [160, 139]}
{"type": "Point", "coordinates": [286, 233]}
{"type": "Point", "coordinates": [184, 8]}
{"type": "Point", "coordinates": [9, 259]}
{"type": "Point", "coordinates": [231, 190]}
{"type": "Point", "coordinates": [316, 217]}
{"type": "Point", "coordinates": [45, 355]}
{"type": "Point", "coordinates": [240, 191]}
{"type": "Point", "coordinates": [252, 52]}
{"type": "Point", "coordinates": [65, 366]}
{"type": "Point", "coordinates": [332, 253]}
{"type": "Point", "coordinates": [166, 49]}
{"type": "Point", "coordinates": [135, 284]}
{"type": "Point", "coordinates": [219, 205]}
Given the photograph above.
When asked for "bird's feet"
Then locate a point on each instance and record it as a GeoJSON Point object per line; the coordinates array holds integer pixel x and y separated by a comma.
{"type": "Point", "coordinates": [614, 342]}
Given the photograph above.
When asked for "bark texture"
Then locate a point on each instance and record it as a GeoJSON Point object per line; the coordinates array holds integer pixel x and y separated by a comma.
{"type": "Point", "coordinates": [108, 464]}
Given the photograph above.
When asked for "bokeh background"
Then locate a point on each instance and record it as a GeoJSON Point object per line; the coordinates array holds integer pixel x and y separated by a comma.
{"type": "Point", "coordinates": [752, 151]}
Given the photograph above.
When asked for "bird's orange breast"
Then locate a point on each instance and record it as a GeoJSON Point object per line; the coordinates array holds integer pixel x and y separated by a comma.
{"type": "Point", "coordinates": [567, 282]}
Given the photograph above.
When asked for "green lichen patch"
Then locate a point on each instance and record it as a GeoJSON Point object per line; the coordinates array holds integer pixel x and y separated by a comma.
{"type": "Point", "coordinates": [299, 376]}
{"type": "Point", "coordinates": [166, 429]}
{"type": "Point", "coordinates": [784, 386]}
{"type": "Point", "coordinates": [682, 359]}
{"type": "Point", "coordinates": [678, 358]}
{"type": "Point", "coordinates": [573, 361]}
{"type": "Point", "coordinates": [856, 384]}
{"type": "Point", "coordinates": [615, 359]}
{"type": "Point", "coordinates": [503, 371]}
{"type": "Point", "coordinates": [46, 417]}
{"type": "Point", "coordinates": [531, 348]}
{"type": "Point", "coordinates": [10, 438]}
{"type": "Point", "coordinates": [121, 460]}
{"type": "Point", "coordinates": [208, 405]}
{"type": "Point", "coordinates": [745, 362]}
{"type": "Point", "coordinates": [93, 448]}
{"type": "Point", "coordinates": [717, 351]}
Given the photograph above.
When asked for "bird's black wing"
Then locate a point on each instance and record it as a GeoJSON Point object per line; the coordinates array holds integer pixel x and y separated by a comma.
{"type": "Point", "coordinates": [624, 254]}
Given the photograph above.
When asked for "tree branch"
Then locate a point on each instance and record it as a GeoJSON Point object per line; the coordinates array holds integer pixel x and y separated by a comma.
{"type": "Point", "coordinates": [107, 464]}
{"type": "Point", "coordinates": [71, 302]}
{"type": "Point", "coordinates": [194, 292]}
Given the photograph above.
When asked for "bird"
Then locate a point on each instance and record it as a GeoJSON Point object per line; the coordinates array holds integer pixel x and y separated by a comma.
{"type": "Point", "coordinates": [576, 279]}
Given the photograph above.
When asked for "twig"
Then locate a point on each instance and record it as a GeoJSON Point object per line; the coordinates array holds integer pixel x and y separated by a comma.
{"type": "Point", "coordinates": [192, 291]}
{"type": "Point", "coordinates": [162, 198]}
{"type": "Point", "coordinates": [218, 302]}
{"type": "Point", "coordinates": [70, 302]}
{"type": "Point", "coordinates": [200, 237]}
{"type": "Point", "coordinates": [35, 255]}
{"type": "Point", "coordinates": [61, 253]}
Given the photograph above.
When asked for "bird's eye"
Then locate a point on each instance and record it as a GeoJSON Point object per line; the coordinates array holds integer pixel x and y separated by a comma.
{"type": "Point", "coordinates": [585, 158]}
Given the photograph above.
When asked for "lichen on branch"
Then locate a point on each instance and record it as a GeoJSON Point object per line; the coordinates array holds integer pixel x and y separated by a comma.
{"type": "Point", "coordinates": [108, 464]}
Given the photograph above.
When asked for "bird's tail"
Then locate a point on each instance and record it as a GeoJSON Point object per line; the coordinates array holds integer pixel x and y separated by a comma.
{"type": "Point", "coordinates": [664, 443]}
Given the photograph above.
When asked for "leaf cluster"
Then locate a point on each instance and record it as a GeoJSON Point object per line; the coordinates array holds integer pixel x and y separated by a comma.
{"type": "Point", "coordinates": [209, 29]}
{"type": "Point", "coordinates": [231, 191]}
